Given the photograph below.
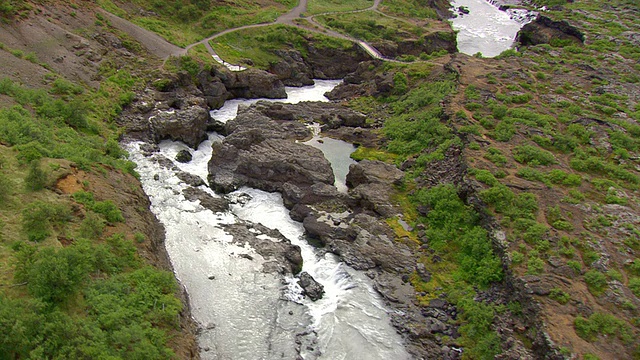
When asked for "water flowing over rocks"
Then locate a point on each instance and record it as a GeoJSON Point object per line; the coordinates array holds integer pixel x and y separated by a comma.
{"type": "Point", "coordinates": [349, 225]}
{"type": "Point", "coordinates": [281, 256]}
{"type": "Point", "coordinates": [177, 107]}
{"type": "Point", "coordinates": [313, 289]}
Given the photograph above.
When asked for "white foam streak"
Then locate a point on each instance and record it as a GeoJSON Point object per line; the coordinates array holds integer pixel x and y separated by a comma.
{"type": "Point", "coordinates": [486, 29]}
{"type": "Point", "coordinates": [245, 313]}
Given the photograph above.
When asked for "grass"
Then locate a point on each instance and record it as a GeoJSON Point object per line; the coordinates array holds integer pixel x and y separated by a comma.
{"type": "Point", "coordinates": [370, 26]}
{"type": "Point", "coordinates": [409, 9]}
{"type": "Point", "coordinates": [183, 23]}
{"type": "Point", "coordinates": [315, 7]}
{"type": "Point", "coordinates": [259, 44]}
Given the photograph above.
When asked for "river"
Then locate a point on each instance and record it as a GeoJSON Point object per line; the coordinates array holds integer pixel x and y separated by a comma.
{"type": "Point", "coordinates": [486, 29]}
{"type": "Point", "coordinates": [243, 312]}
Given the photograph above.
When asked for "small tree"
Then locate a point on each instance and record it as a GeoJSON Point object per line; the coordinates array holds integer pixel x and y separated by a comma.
{"type": "Point", "coordinates": [36, 177]}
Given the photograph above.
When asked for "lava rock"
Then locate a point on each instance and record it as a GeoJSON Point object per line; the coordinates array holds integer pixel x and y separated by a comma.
{"type": "Point", "coordinates": [206, 200]}
{"type": "Point", "coordinates": [184, 156]}
{"type": "Point", "coordinates": [313, 289]}
{"type": "Point", "coordinates": [187, 125]}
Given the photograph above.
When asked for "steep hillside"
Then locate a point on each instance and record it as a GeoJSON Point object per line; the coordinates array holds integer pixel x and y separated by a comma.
{"type": "Point", "coordinates": [84, 272]}
{"type": "Point", "coordinates": [518, 206]}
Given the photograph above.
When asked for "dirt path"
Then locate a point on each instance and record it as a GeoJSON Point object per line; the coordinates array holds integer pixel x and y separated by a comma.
{"type": "Point", "coordinates": [163, 49]}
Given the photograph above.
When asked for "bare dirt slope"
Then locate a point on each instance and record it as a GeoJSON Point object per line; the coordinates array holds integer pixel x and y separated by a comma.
{"type": "Point", "coordinates": [154, 43]}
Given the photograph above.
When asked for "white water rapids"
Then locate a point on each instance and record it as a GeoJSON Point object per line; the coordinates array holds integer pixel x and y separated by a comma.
{"type": "Point", "coordinates": [245, 313]}
{"type": "Point", "coordinates": [486, 29]}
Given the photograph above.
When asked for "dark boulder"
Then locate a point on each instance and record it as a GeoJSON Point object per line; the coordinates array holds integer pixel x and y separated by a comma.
{"type": "Point", "coordinates": [313, 289]}
{"type": "Point", "coordinates": [184, 156]}
{"type": "Point", "coordinates": [372, 184]}
{"type": "Point", "coordinates": [206, 200]}
{"type": "Point", "coordinates": [187, 125]}
{"type": "Point", "coordinates": [279, 254]}
{"type": "Point", "coordinates": [373, 171]}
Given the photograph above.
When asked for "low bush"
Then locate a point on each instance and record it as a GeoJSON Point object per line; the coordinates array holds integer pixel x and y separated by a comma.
{"type": "Point", "coordinates": [533, 155]}
{"type": "Point", "coordinates": [602, 324]}
{"type": "Point", "coordinates": [596, 282]}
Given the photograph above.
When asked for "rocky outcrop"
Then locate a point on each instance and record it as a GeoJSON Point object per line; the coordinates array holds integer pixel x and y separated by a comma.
{"type": "Point", "coordinates": [215, 204]}
{"type": "Point", "coordinates": [187, 124]}
{"type": "Point", "coordinates": [263, 153]}
{"type": "Point", "coordinates": [292, 68]}
{"type": "Point", "coordinates": [295, 69]}
{"type": "Point", "coordinates": [543, 30]}
{"type": "Point", "coordinates": [330, 115]}
{"type": "Point", "coordinates": [311, 288]}
{"type": "Point", "coordinates": [172, 108]}
{"type": "Point", "coordinates": [279, 254]}
{"type": "Point", "coordinates": [430, 43]}
{"type": "Point", "coordinates": [365, 81]}
{"type": "Point", "coordinates": [251, 84]}
{"type": "Point", "coordinates": [372, 184]}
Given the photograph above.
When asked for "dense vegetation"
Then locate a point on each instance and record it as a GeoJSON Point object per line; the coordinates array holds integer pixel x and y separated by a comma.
{"type": "Point", "coordinates": [549, 131]}
{"type": "Point", "coordinates": [555, 163]}
{"type": "Point", "coordinates": [70, 286]}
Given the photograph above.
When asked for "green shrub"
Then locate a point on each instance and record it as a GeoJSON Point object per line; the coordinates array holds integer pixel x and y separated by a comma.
{"type": "Point", "coordinates": [533, 175]}
{"type": "Point", "coordinates": [6, 188]}
{"type": "Point", "coordinates": [54, 275]}
{"type": "Point", "coordinates": [602, 324]}
{"type": "Point", "coordinates": [559, 296]}
{"type": "Point", "coordinates": [38, 218]}
{"type": "Point", "coordinates": [139, 237]}
{"type": "Point", "coordinates": [400, 83]}
{"type": "Point", "coordinates": [516, 257]}
{"type": "Point", "coordinates": [575, 265]}
{"type": "Point", "coordinates": [535, 266]}
{"type": "Point", "coordinates": [527, 154]}
{"type": "Point", "coordinates": [105, 208]}
{"type": "Point", "coordinates": [452, 224]}
{"type": "Point", "coordinates": [109, 210]}
{"type": "Point", "coordinates": [36, 177]}
{"type": "Point", "coordinates": [485, 176]}
{"type": "Point", "coordinates": [479, 339]}
{"type": "Point", "coordinates": [596, 282]}
{"type": "Point", "coordinates": [634, 286]}
{"type": "Point", "coordinates": [495, 156]}
{"type": "Point", "coordinates": [504, 131]}
{"type": "Point", "coordinates": [92, 226]}
{"type": "Point", "coordinates": [634, 267]}
{"type": "Point", "coordinates": [61, 86]}
{"type": "Point", "coordinates": [562, 225]}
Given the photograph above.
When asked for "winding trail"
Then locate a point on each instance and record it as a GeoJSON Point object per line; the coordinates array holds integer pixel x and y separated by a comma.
{"type": "Point", "coordinates": [164, 50]}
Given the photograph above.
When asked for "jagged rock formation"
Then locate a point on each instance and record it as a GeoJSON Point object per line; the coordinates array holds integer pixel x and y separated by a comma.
{"type": "Point", "coordinates": [543, 30]}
